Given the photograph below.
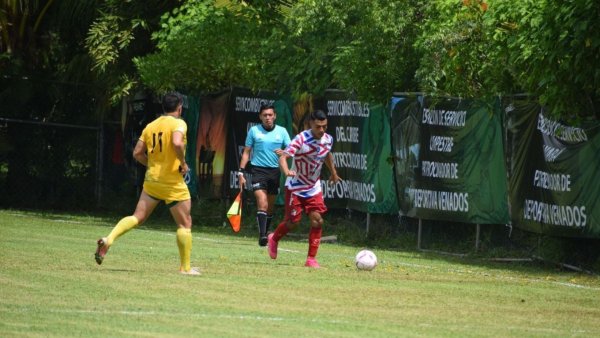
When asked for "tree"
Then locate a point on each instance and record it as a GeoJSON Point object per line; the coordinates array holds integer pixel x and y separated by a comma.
{"type": "Point", "coordinates": [211, 47]}
{"type": "Point", "coordinates": [299, 47]}
{"type": "Point", "coordinates": [469, 48]}
{"type": "Point", "coordinates": [45, 77]}
{"type": "Point", "coordinates": [360, 46]}
{"type": "Point", "coordinates": [555, 50]}
{"type": "Point", "coordinates": [40, 55]}
{"type": "Point", "coordinates": [498, 47]}
{"type": "Point", "coordinates": [120, 33]}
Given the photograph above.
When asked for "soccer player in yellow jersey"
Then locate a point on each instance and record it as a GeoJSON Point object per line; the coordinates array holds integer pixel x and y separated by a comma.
{"type": "Point", "coordinates": [161, 148]}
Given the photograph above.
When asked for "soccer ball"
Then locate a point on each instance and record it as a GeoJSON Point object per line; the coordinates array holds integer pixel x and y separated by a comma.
{"type": "Point", "coordinates": [365, 260]}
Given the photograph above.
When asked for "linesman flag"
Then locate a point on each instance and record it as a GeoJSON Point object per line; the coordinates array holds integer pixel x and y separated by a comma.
{"type": "Point", "coordinates": [234, 215]}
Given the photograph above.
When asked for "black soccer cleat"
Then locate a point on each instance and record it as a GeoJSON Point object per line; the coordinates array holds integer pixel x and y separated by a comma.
{"type": "Point", "coordinates": [101, 250]}
{"type": "Point", "coordinates": [262, 241]}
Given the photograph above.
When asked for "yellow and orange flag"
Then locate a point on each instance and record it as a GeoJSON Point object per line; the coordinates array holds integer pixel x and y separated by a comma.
{"type": "Point", "coordinates": [234, 215]}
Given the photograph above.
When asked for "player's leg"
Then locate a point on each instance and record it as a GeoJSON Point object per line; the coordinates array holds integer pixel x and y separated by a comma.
{"type": "Point", "coordinates": [271, 199]}
{"type": "Point", "coordinates": [143, 209]}
{"type": "Point", "coordinates": [315, 207]}
{"type": "Point", "coordinates": [272, 192]}
{"type": "Point", "coordinates": [314, 238]}
{"type": "Point", "coordinates": [262, 205]}
{"type": "Point", "coordinates": [293, 214]}
{"type": "Point", "coordinates": [181, 212]}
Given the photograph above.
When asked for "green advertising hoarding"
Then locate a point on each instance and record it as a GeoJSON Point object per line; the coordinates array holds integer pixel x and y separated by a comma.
{"type": "Point", "coordinates": [449, 159]}
{"type": "Point", "coordinates": [554, 172]}
{"type": "Point", "coordinates": [191, 113]}
{"type": "Point", "coordinates": [361, 152]}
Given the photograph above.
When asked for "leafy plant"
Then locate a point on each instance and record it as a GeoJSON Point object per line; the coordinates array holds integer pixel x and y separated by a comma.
{"type": "Point", "coordinates": [119, 34]}
{"type": "Point", "coordinates": [549, 49]}
{"type": "Point", "coordinates": [209, 48]}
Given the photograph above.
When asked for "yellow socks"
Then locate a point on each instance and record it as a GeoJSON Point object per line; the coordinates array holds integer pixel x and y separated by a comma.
{"type": "Point", "coordinates": [184, 243]}
{"type": "Point", "coordinates": [124, 225]}
{"type": "Point", "coordinates": [184, 239]}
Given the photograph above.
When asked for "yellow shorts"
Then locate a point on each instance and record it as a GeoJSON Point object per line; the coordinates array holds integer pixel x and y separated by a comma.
{"type": "Point", "coordinates": [167, 192]}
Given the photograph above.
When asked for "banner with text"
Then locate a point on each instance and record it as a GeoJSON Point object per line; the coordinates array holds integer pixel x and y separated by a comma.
{"type": "Point", "coordinates": [361, 153]}
{"type": "Point", "coordinates": [553, 172]}
{"type": "Point", "coordinates": [449, 159]}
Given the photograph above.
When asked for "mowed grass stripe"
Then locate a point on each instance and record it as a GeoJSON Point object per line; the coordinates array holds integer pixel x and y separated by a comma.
{"type": "Point", "coordinates": [50, 286]}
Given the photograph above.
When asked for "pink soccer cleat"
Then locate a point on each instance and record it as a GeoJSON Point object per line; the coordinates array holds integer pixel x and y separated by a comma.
{"type": "Point", "coordinates": [272, 244]}
{"type": "Point", "coordinates": [311, 262]}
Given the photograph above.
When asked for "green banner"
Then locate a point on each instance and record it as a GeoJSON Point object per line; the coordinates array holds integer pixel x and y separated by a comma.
{"type": "Point", "coordinates": [361, 152]}
{"type": "Point", "coordinates": [449, 159]}
{"type": "Point", "coordinates": [553, 172]}
{"type": "Point", "coordinates": [191, 114]}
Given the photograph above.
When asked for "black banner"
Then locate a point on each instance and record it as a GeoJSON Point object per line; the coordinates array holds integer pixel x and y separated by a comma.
{"type": "Point", "coordinates": [554, 168]}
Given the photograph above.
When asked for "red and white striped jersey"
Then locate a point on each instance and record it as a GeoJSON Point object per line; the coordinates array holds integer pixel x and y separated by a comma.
{"type": "Point", "coordinates": [308, 157]}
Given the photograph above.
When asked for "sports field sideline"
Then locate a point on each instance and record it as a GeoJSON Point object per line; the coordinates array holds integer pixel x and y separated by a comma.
{"type": "Point", "coordinates": [51, 286]}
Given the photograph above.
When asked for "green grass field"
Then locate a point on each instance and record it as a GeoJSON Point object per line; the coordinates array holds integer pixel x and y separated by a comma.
{"type": "Point", "coordinates": [51, 286]}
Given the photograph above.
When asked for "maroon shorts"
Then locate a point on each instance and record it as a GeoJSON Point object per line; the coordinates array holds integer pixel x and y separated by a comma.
{"type": "Point", "coordinates": [294, 205]}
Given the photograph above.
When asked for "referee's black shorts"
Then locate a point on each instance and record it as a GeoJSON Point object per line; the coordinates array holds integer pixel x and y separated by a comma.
{"type": "Point", "coordinates": [264, 178]}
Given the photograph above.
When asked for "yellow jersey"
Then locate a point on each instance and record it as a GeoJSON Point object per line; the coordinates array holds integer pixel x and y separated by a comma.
{"type": "Point", "coordinates": [163, 165]}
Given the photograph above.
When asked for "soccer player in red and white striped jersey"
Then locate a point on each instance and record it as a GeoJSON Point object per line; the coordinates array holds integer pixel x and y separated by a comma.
{"type": "Point", "coordinates": [310, 149]}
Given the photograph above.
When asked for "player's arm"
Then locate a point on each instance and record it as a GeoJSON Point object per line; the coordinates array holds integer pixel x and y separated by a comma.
{"type": "Point", "coordinates": [139, 153]}
{"type": "Point", "coordinates": [290, 151]}
{"type": "Point", "coordinates": [179, 147]}
{"type": "Point", "coordinates": [283, 165]}
{"type": "Point", "coordinates": [243, 163]}
{"type": "Point", "coordinates": [331, 166]}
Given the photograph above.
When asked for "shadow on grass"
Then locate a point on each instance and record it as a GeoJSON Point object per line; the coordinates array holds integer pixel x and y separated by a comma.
{"type": "Point", "coordinates": [106, 270]}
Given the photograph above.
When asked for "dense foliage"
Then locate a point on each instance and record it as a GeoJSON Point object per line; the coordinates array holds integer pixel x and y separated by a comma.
{"type": "Point", "coordinates": [546, 48]}
{"type": "Point", "coordinates": [361, 46]}
{"type": "Point", "coordinates": [468, 48]}
{"type": "Point", "coordinates": [305, 47]}
{"type": "Point", "coordinates": [41, 57]}
{"type": "Point", "coordinates": [204, 47]}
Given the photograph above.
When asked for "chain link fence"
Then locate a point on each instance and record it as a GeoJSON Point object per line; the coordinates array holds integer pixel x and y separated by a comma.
{"type": "Point", "coordinates": [65, 167]}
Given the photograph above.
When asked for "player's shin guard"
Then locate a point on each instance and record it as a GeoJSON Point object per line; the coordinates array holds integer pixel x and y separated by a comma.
{"type": "Point", "coordinates": [124, 225]}
{"type": "Point", "coordinates": [314, 240]}
{"type": "Point", "coordinates": [281, 231]}
{"type": "Point", "coordinates": [184, 243]}
{"type": "Point", "coordinates": [261, 219]}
